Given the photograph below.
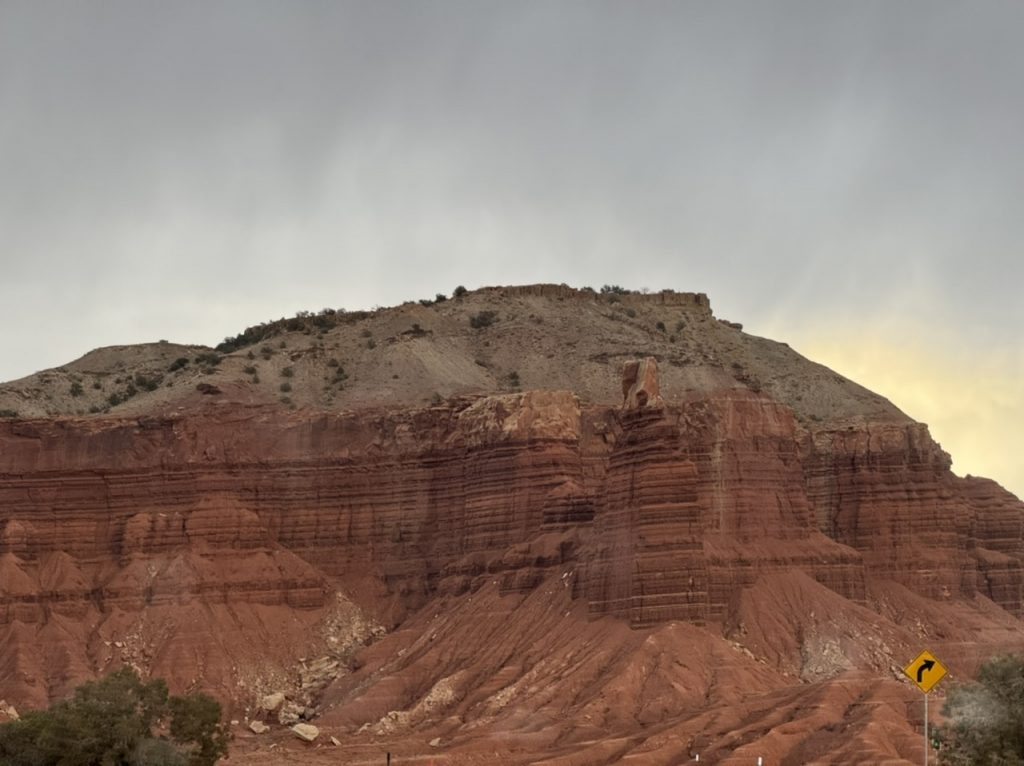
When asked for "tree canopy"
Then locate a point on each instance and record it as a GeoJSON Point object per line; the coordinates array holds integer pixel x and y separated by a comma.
{"type": "Point", "coordinates": [985, 724]}
{"type": "Point", "coordinates": [118, 720]}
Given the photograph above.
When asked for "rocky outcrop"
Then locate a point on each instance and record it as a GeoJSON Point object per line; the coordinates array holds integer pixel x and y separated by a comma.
{"type": "Point", "coordinates": [886, 490]}
{"type": "Point", "coordinates": [210, 547]}
{"type": "Point", "coordinates": [995, 539]}
{"type": "Point", "coordinates": [697, 502]}
{"type": "Point", "coordinates": [640, 384]}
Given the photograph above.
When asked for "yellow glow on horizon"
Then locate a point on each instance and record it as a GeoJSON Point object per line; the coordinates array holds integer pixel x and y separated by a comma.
{"type": "Point", "coordinates": [971, 397]}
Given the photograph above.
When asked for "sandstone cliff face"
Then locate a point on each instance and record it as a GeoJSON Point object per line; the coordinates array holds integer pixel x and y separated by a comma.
{"type": "Point", "coordinates": [697, 503]}
{"type": "Point", "coordinates": [665, 575]}
{"type": "Point", "coordinates": [237, 516]}
{"type": "Point", "coordinates": [886, 490]}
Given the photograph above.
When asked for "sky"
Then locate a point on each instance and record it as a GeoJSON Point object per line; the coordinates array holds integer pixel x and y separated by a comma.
{"type": "Point", "coordinates": [846, 177]}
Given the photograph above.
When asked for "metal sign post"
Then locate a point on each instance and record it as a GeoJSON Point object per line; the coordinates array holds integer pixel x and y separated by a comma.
{"type": "Point", "coordinates": [925, 671]}
{"type": "Point", "coordinates": [926, 742]}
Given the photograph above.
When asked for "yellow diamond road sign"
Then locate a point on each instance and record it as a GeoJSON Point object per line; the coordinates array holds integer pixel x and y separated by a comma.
{"type": "Point", "coordinates": [925, 671]}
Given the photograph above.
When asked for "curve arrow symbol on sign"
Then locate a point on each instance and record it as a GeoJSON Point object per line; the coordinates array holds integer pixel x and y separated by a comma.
{"type": "Point", "coordinates": [926, 665]}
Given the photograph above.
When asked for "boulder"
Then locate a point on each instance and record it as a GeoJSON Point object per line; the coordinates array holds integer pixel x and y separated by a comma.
{"type": "Point", "coordinates": [272, 702]}
{"type": "Point", "coordinates": [258, 727]}
{"type": "Point", "coordinates": [7, 712]}
{"type": "Point", "coordinates": [289, 713]}
{"type": "Point", "coordinates": [306, 731]}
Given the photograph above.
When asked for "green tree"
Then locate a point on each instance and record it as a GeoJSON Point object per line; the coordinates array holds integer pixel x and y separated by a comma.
{"type": "Point", "coordinates": [157, 752]}
{"type": "Point", "coordinates": [118, 720]}
{"type": "Point", "coordinates": [196, 724]}
{"type": "Point", "coordinates": [985, 724]}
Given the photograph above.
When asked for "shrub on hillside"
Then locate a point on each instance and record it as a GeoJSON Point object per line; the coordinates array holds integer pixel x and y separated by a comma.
{"type": "Point", "coordinates": [483, 319]}
{"type": "Point", "coordinates": [209, 359]}
{"type": "Point", "coordinates": [147, 382]}
{"type": "Point", "coordinates": [121, 721]}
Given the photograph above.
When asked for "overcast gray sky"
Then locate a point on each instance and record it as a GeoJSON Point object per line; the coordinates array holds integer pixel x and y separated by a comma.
{"type": "Point", "coordinates": [844, 176]}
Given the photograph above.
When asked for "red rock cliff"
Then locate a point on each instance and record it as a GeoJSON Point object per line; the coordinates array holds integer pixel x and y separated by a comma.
{"type": "Point", "coordinates": [200, 544]}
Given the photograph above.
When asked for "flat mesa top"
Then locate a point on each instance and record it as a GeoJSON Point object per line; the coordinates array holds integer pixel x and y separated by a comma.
{"type": "Point", "coordinates": [925, 671]}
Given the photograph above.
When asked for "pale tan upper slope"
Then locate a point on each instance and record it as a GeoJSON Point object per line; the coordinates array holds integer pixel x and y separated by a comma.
{"type": "Point", "coordinates": [543, 336]}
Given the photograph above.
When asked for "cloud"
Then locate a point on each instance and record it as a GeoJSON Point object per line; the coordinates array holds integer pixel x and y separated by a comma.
{"type": "Point", "coordinates": [184, 170]}
{"type": "Point", "coordinates": [970, 394]}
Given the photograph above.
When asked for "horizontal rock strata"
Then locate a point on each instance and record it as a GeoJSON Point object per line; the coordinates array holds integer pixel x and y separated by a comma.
{"type": "Point", "coordinates": [236, 516]}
